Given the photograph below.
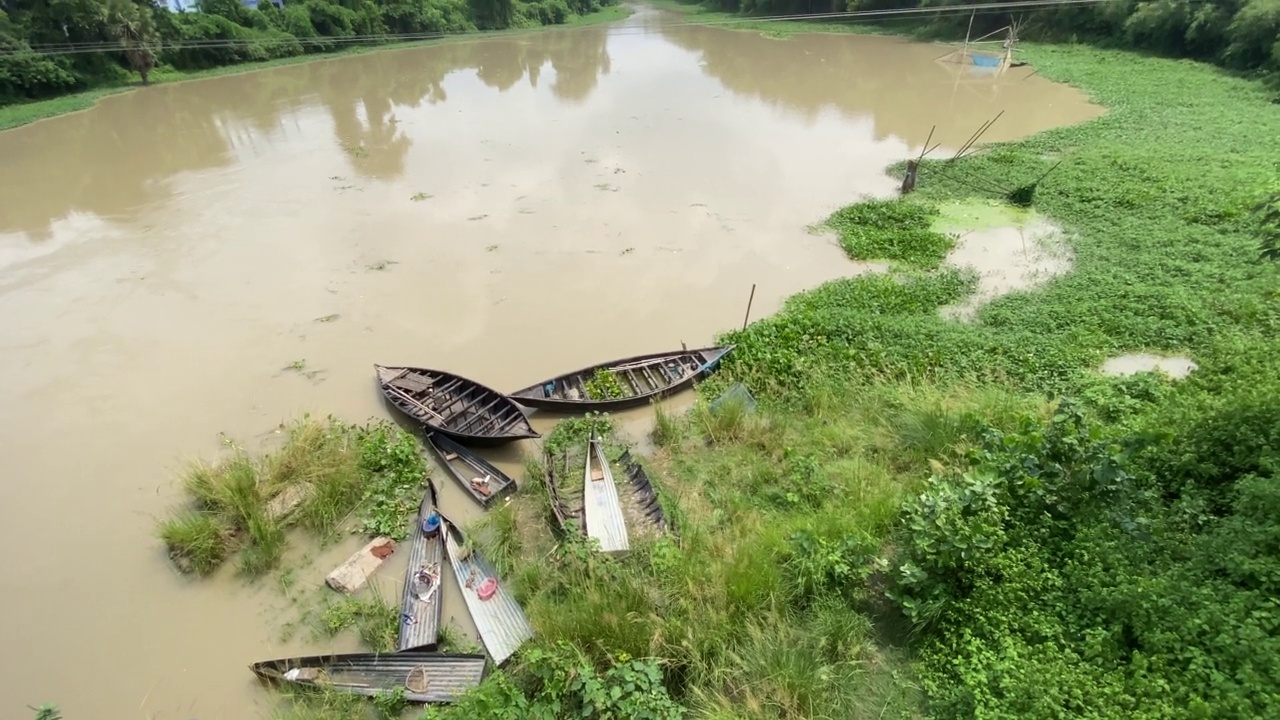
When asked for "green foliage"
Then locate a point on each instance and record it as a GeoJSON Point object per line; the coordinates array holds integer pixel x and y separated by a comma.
{"type": "Point", "coordinates": [891, 230]}
{"type": "Point", "coordinates": [312, 703]}
{"type": "Point", "coordinates": [395, 472]}
{"type": "Point", "coordinates": [323, 474]}
{"type": "Point", "coordinates": [1239, 35]}
{"type": "Point", "coordinates": [666, 428]}
{"type": "Point", "coordinates": [559, 681]}
{"type": "Point", "coordinates": [573, 433]}
{"type": "Point", "coordinates": [1057, 574]}
{"type": "Point", "coordinates": [139, 34]}
{"type": "Point", "coordinates": [603, 385]}
{"type": "Point", "coordinates": [391, 705]}
{"type": "Point", "coordinates": [48, 711]}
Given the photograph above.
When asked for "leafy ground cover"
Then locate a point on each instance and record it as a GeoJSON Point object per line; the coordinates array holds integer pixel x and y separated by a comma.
{"type": "Point", "coordinates": [967, 519]}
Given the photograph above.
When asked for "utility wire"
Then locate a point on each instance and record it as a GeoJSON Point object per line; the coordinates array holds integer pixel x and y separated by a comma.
{"type": "Point", "coordinates": [862, 15]}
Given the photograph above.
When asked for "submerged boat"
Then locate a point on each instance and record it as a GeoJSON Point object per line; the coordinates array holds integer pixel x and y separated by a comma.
{"type": "Point", "coordinates": [566, 506]}
{"type": "Point", "coordinates": [622, 384]}
{"type": "Point", "coordinates": [420, 602]}
{"type": "Point", "coordinates": [641, 509]}
{"type": "Point", "coordinates": [454, 406]}
{"type": "Point", "coordinates": [601, 508]}
{"type": "Point", "coordinates": [499, 619]}
{"type": "Point", "coordinates": [425, 677]}
{"type": "Point", "coordinates": [482, 480]}
{"type": "Point", "coordinates": [641, 500]}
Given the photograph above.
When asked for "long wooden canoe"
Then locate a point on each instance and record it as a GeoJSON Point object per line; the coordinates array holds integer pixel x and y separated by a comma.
{"type": "Point", "coordinates": [426, 677]}
{"type": "Point", "coordinates": [639, 379]}
{"type": "Point", "coordinates": [420, 599]}
{"type": "Point", "coordinates": [455, 406]}
{"type": "Point", "coordinates": [499, 619]}
{"type": "Point", "coordinates": [476, 475]}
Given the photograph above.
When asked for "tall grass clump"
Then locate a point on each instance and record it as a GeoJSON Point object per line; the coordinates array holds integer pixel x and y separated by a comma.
{"type": "Point", "coordinates": [198, 542]}
{"type": "Point", "coordinates": [666, 428]}
{"type": "Point", "coordinates": [322, 474]}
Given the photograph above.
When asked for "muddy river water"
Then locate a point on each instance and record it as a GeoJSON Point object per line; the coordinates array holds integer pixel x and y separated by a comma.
{"type": "Point", "coordinates": [504, 208]}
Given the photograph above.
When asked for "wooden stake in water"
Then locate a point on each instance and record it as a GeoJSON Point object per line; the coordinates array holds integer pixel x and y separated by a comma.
{"type": "Point", "coordinates": [749, 301]}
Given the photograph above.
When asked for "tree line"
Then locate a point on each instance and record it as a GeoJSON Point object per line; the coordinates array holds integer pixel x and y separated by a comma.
{"type": "Point", "coordinates": [54, 47]}
{"type": "Point", "coordinates": [1237, 34]}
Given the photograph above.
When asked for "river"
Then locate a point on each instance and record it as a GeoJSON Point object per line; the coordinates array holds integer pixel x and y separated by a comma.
{"type": "Point", "coordinates": [508, 209]}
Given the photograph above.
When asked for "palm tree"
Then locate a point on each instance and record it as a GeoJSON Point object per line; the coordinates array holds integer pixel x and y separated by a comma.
{"type": "Point", "coordinates": [133, 27]}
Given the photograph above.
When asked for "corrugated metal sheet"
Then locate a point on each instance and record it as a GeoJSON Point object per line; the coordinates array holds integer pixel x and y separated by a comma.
{"type": "Point", "coordinates": [448, 676]}
{"type": "Point", "coordinates": [502, 624]}
{"type": "Point", "coordinates": [420, 621]}
{"type": "Point", "coordinates": [605, 521]}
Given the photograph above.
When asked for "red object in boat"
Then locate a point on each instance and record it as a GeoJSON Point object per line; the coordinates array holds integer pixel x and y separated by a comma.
{"type": "Point", "coordinates": [487, 588]}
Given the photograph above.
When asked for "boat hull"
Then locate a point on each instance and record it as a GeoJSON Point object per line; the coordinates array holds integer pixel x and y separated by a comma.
{"type": "Point", "coordinates": [499, 619]}
{"type": "Point", "coordinates": [707, 360]}
{"type": "Point", "coordinates": [420, 619]}
{"type": "Point", "coordinates": [502, 484]}
{"type": "Point", "coordinates": [454, 406]}
{"type": "Point", "coordinates": [372, 674]}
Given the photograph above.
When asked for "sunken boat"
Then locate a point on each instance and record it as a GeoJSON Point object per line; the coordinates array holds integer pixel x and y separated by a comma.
{"type": "Point", "coordinates": [420, 601]}
{"type": "Point", "coordinates": [477, 476]}
{"type": "Point", "coordinates": [424, 677]}
{"type": "Point", "coordinates": [641, 508]}
{"type": "Point", "coordinates": [639, 497]}
{"type": "Point", "coordinates": [620, 384]}
{"type": "Point", "coordinates": [499, 619]}
{"type": "Point", "coordinates": [451, 405]}
{"type": "Point", "coordinates": [566, 501]}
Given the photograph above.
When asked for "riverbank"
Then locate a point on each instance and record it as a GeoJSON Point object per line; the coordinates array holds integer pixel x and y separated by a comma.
{"type": "Point", "coordinates": [908, 520]}
{"type": "Point", "coordinates": [981, 483]}
{"type": "Point", "coordinates": [12, 116]}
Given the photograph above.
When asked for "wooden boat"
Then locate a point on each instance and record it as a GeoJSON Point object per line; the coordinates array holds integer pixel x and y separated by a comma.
{"type": "Point", "coordinates": [499, 619]}
{"type": "Point", "coordinates": [426, 677]}
{"type": "Point", "coordinates": [566, 506]}
{"type": "Point", "coordinates": [420, 600]}
{"type": "Point", "coordinates": [640, 379]}
{"type": "Point", "coordinates": [603, 510]}
{"type": "Point", "coordinates": [482, 480]}
{"type": "Point", "coordinates": [640, 501]}
{"type": "Point", "coordinates": [451, 405]}
{"type": "Point", "coordinates": [641, 508]}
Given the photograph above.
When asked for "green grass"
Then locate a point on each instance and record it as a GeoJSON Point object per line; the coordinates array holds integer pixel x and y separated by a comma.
{"type": "Point", "coordinates": [756, 609]}
{"type": "Point", "coordinates": [777, 598]}
{"type": "Point", "coordinates": [198, 542]}
{"type": "Point", "coordinates": [16, 115]}
{"type": "Point", "coordinates": [373, 617]}
{"type": "Point", "coordinates": [367, 479]}
{"type": "Point", "coordinates": [698, 14]}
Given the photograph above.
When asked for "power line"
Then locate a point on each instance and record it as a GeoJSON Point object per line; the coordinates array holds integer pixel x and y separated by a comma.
{"type": "Point", "coordinates": [863, 15]}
